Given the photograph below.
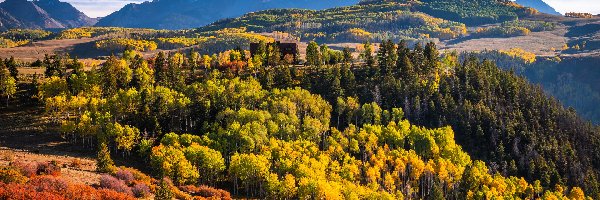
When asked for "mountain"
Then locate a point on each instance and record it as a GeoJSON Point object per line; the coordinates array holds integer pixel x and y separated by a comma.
{"type": "Point", "coordinates": [41, 14]}
{"type": "Point", "coordinates": [65, 13]}
{"type": "Point", "coordinates": [182, 14]}
{"type": "Point", "coordinates": [538, 5]}
{"type": "Point", "coordinates": [378, 20]}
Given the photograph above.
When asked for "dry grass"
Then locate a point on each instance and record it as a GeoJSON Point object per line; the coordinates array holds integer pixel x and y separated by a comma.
{"type": "Point", "coordinates": [540, 43]}
{"type": "Point", "coordinates": [84, 174]}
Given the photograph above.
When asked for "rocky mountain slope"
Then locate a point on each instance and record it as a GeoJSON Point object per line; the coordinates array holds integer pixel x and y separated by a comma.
{"type": "Point", "coordinates": [539, 5]}
{"type": "Point", "coordinates": [41, 14]}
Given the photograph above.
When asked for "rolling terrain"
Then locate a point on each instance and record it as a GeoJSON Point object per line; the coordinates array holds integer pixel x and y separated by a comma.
{"type": "Point", "coordinates": [389, 99]}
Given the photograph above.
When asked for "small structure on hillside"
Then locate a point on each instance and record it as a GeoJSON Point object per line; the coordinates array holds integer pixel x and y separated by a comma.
{"type": "Point", "coordinates": [285, 48]}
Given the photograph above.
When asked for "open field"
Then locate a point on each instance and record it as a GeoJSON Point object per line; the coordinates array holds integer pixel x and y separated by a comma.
{"type": "Point", "coordinates": [540, 43]}
{"type": "Point", "coordinates": [37, 50]}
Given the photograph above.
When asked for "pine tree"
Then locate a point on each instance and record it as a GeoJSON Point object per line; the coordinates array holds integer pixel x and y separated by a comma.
{"type": "Point", "coordinates": [348, 80]}
{"type": "Point", "coordinates": [367, 55]}
{"type": "Point", "coordinates": [160, 68]}
{"type": "Point", "coordinates": [164, 192]}
{"type": "Point", "coordinates": [347, 55]}
{"type": "Point", "coordinates": [12, 65]}
{"type": "Point", "coordinates": [104, 163]}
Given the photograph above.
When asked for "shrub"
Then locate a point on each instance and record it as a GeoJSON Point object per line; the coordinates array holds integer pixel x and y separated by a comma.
{"type": "Point", "coordinates": [11, 175]}
{"type": "Point", "coordinates": [27, 169]}
{"type": "Point", "coordinates": [164, 190]}
{"type": "Point", "coordinates": [76, 163]}
{"type": "Point", "coordinates": [48, 184]}
{"type": "Point", "coordinates": [20, 191]}
{"type": "Point", "coordinates": [107, 194]}
{"type": "Point", "coordinates": [112, 183]}
{"type": "Point", "coordinates": [141, 190]}
{"type": "Point", "coordinates": [48, 168]}
{"type": "Point", "coordinates": [81, 192]}
{"type": "Point", "coordinates": [206, 192]}
{"type": "Point", "coordinates": [125, 175]}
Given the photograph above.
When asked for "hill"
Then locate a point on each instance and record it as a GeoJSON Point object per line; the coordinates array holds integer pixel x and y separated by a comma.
{"type": "Point", "coordinates": [40, 14]}
{"type": "Point", "coordinates": [377, 20]}
{"type": "Point", "coordinates": [539, 5]}
{"type": "Point", "coordinates": [182, 14]}
{"type": "Point", "coordinates": [198, 121]}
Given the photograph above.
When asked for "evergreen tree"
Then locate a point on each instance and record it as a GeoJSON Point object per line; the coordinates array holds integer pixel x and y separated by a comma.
{"type": "Point", "coordinates": [348, 80]}
{"type": "Point", "coordinates": [164, 192]}
{"type": "Point", "coordinates": [160, 69]}
{"type": "Point", "coordinates": [347, 55]}
{"type": "Point", "coordinates": [104, 163]}
{"type": "Point", "coordinates": [12, 65]}
{"type": "Point", "coordinates": [367, 55]}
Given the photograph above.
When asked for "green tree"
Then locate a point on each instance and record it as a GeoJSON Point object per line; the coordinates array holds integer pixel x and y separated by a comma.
{"type": "Point", "coordinates": [8, 86]}
{"type": "Point", "coordinates": [313, 57]}
{"type": "Point", "coordinates": [367, 55]}
{"type": "Point", "coordinates": [251, 170]}
{"type": "Point", "coordinates": [170, 162]}
{"type": "Point", "coordinates": [12, 65]}
{"type": "Point", "coordinates": [207, 160]}
{"type": "Point", "coordinates": [104, 163]}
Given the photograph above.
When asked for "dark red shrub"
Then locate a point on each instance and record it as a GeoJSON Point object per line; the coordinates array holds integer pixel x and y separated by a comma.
{"type": "Point", "coordinates": [141, 190]}
{"type": "Point", "coordinates": [48, 184]}
{"type": "Point", "coordinates": [48, 168]}
{"type": "Point", "coordinates": [125, 175]}
{"type": "Point", "coordinates": [112, 183]}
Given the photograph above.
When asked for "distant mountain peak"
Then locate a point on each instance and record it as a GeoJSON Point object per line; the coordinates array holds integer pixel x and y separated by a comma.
{"type": "Point", "coordinates": [41, 14]}
{"type": "Point", "coordinates": [539, 5]}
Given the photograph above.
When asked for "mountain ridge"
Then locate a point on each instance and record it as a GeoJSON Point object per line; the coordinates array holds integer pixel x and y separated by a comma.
{"type": "Point", "coordinates": [182, 14]}
{"type": "Point", "coordinates": [41, 14]}
{"type": "Point", "coordinates": [539, 5]}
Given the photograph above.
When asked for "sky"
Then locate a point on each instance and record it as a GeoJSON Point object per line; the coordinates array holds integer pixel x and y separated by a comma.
{"type": "Point", "coordinates": [562, 6]}
{"type": "Point", "coordinates": [100, 8]}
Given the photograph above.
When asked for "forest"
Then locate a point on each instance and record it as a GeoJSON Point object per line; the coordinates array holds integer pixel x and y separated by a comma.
{"type": "Point", "coordinates": [397, 123]}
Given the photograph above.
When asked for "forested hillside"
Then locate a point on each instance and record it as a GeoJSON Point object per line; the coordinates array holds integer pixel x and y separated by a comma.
{"type": "Point", "coordinates": [184, 14]}
{"type": "Point", "coordinates": [378, 20]}
{"type": "Point", "coordinates": [406, 123]}
{"type": "Point", "coordinates": [571, 80]}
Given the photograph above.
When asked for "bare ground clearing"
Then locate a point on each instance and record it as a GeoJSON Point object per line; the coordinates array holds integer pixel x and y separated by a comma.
{"type": "Point", "coordinates": [540, 43]}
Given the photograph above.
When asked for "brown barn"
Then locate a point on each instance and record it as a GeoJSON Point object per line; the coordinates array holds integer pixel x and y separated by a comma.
{"type": "Point", "coordinates": [285, 48]}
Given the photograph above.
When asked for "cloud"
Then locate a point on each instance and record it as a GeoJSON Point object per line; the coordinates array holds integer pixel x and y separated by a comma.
{"type": "Point", "coordinates": [562, 6]}
{"type": "Point", "coordinates": [100, 8]}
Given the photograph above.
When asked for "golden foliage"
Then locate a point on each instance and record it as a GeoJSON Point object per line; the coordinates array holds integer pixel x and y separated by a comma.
{"type": "Point", "coordinates": [120, 44]}
{"type": "Point", "coordinates": [528, 57]}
